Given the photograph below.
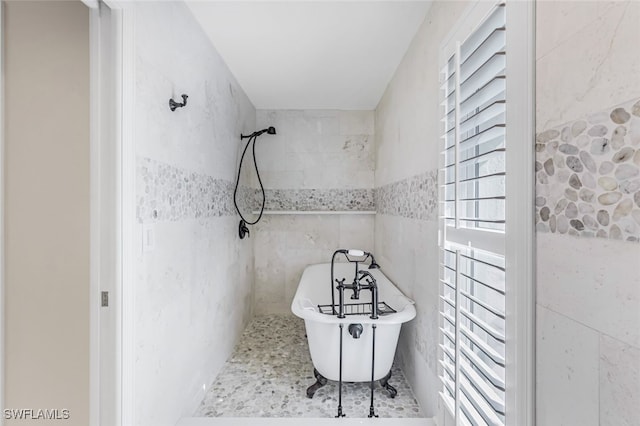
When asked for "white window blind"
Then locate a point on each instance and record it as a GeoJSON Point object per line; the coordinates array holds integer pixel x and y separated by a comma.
{"type": "Point", "coordinates": [472, 216]}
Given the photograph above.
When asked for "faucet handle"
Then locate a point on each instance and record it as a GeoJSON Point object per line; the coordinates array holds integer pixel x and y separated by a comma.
{"type": "Point", "coordinates": [363, 274]}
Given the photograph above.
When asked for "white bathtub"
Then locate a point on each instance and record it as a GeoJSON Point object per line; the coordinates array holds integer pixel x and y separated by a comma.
{"type": "Point", "coordinates": [323, 332]}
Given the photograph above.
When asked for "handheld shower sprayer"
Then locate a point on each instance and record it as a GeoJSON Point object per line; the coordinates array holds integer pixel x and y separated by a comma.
{"type": "Point", "coordinates": [243, 230]}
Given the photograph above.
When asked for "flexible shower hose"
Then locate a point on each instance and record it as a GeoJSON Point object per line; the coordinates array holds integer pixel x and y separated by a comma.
{"type": "Point", "coordinates": [253, 139]}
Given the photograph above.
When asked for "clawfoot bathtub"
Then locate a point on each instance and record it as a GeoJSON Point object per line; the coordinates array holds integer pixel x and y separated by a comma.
{"type": "Point", "coordinates": [313, 303]}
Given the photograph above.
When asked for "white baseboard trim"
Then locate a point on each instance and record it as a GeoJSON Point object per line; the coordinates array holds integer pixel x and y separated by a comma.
{"type": "Point", "coordinates": [270, 421]}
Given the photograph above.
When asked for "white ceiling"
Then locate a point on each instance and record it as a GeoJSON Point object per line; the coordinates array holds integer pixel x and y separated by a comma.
{"type": "Point", "coordinates": [311, 54]}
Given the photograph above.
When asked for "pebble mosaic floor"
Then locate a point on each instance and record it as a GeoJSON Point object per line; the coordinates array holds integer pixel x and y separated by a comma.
{"type": "Point", "coordinates": [270, 370]}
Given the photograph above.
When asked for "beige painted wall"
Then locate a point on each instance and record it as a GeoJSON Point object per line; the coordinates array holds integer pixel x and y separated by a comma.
{"type": "Point", "coordinates": [47, 208]}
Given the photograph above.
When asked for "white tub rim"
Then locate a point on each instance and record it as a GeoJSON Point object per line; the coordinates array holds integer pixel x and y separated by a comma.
{"type": "Point", "coordinates": [304, 308]}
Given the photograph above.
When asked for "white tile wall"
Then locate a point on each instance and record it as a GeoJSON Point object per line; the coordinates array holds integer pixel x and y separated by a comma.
{"type": "Point", "coordinates": [285, 244]}
{"type": "Point", "coordinates": [193, 291]}
{"type": "Point", "coordinates": [407, 136]}
{"type": "Point", "coordinates": [321, 149]}
{"type": "Point", "coordinates": [567, 371]}
{"type": "Point", "coordinates": [586, 60]}
{"type": "Point", "coordinates": [588, 288]}
{"type": "Point", "coordinates": [406, 249]}
{"type": "Point", "coordinates": [193, 298]}
{"type": "Point", "coordinates": [564, 19]}
{"type": "Point", "coordinates": [588, 345]}
{"type": "Point", "coordinates": [619, 383]}
{"type": "Point", "coordinates": [593, 281]}
{"type": "Point", "coordinates": [204, 136]}
{"type": "Point", "coordinates": [407, 126]}
{"type": "Point", "coordinates": [583, 376]}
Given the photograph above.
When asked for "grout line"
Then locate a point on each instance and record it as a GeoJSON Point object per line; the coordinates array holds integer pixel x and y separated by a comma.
{"type": "Point", "coordinates": [600, 332]}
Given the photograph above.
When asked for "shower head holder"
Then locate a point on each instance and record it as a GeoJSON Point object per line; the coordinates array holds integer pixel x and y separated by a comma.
{"type": "Point", "coordinates": [269, 130]}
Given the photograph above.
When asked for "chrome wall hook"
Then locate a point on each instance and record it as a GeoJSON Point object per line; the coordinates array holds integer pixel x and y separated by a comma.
{"type": "Point", "coordinates": [173, 104]}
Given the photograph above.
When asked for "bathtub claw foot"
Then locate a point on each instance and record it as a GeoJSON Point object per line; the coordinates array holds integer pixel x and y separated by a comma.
{"type": "Point", "coordinates": [320, 382]}
{"type": "Point", "coordinates": [392, 391]}
{"type": "Point", "coordinates": [385, 384]}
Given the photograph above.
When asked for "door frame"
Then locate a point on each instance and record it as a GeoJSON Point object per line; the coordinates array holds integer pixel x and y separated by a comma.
{"type": "Point", "coordinates": [2, 233]}
{"type": "Point", "coordinates": [111, 177]}
{"type": "Point", "coordinates": [112, 207]}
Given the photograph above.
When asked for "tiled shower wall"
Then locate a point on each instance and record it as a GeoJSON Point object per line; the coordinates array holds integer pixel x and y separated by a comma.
{"type": "Point", "coordinates": [319, 160]}
{"type": "Point", "coordinates": [588, 213]}
{"type": "Point", "coordinates": [588, 284]}
{"type": "Point", "coordinates": [406, 226]}
{"type": "Point", "coordinates": [193, 289]}
{"type": "Point", "coordinates": [588, 279]}
{"type": "Point", "coordinates": [588, 176]}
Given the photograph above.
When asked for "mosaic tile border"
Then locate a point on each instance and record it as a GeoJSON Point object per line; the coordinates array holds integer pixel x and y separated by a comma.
{"type": "Point", "coordinates": [167, 193]}
{"type": "Point", "coordinates": [588, 175]}
{"type": "Point", "coordinates": [318, 199]}
{"type": "Point", "coordinates": [415, 197]}
{"type": "Point", "coordinates": [247, 199]}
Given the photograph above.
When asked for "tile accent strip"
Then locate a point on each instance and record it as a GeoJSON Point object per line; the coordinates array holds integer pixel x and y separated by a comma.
{"type": "Point", "coordinates": [588, 176]}
{"type": "Point", "coordinates": [317, 199]}
{"type": "Point", "coordinates": [415, 197]}
{"type": "Point", "coordinates": [167, 193]}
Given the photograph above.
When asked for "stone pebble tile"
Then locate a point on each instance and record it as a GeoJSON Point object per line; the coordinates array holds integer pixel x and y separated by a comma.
{"type": "Point", "coordinates": [318, 199]}
{"type": "Point", "coordinates": [588, 175]}
{"type": "Point", "coordinates": [270, 370]}
{"type": "Point", "coordinates": [167, 193]}
{"type": "Point", "coordinates": [415, 197]}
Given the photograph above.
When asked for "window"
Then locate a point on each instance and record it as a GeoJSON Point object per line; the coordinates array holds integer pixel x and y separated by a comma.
{"type": "Point", "coordinates": [482, 151]}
